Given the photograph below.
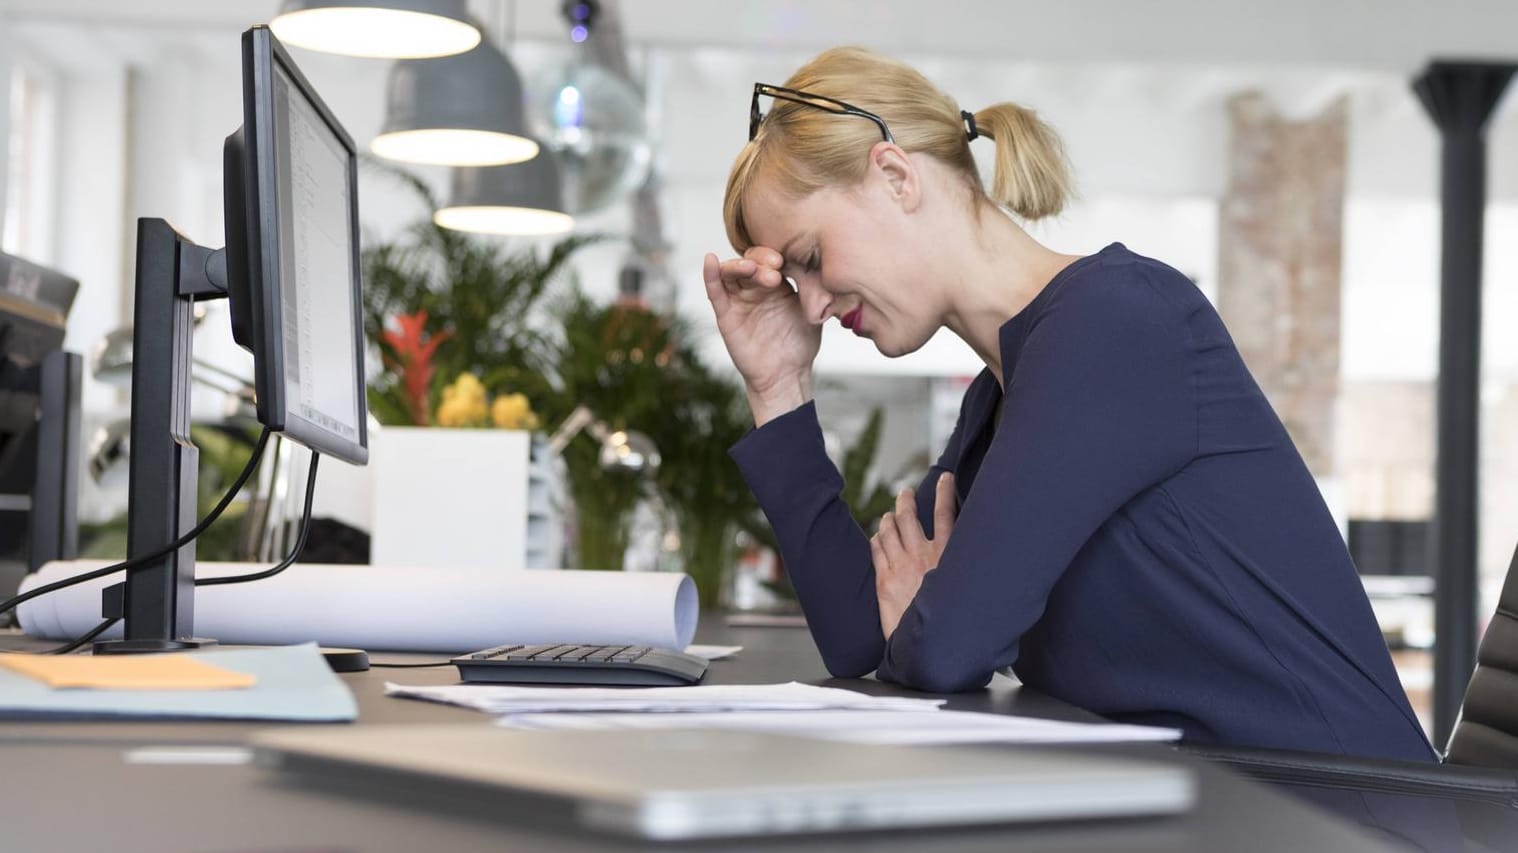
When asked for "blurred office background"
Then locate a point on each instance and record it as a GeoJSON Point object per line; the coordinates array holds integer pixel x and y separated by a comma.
{"type": "Point", "coordinates": [1276, 153]}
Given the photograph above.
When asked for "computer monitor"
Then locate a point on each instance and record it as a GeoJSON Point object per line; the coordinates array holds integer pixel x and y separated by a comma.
{"type": "Point", "coordinates": [291, 180]}
{"type": "Point", "coordinates": [38, 406]}
{"type": "Point", "coordinates": [34, 307]}
{"type": "Point", "coordinates": [290, 269]}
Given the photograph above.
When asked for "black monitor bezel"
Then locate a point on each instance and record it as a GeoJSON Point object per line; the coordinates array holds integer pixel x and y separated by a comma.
{"type": "Point", "coordinates": [261, 52]}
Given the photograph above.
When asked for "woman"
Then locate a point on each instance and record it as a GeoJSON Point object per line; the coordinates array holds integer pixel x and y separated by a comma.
{"type": "Point", "coordinates": [1135, 532]}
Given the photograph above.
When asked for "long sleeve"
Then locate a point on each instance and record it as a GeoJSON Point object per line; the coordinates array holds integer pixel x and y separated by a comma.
{"type": "Point", "coordinates": [1099, 407]}
{"type": "Point", "coordinates": [826, 553]}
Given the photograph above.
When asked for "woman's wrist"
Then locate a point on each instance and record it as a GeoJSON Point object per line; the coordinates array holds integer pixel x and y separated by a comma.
{"type": "Point", "coordinates": [779, 398]}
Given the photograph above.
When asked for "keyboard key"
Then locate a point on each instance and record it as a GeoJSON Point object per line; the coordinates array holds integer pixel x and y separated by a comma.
{"type": "Point", "coordinates": [528, 652]}
{"type": "Point", "coordinates": [553, 652]}
{"type": "Point", "coordinates": [629, 654]}
{"type": "Point", "coordinates": [493, 653]}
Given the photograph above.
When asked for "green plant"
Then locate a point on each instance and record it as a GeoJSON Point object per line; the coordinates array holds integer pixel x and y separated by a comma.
{"type": "Point", "coordinates": [619, 360]}
{"type": "Point", "coordinates": [439, 303]}
{"type": "Point", "coordinates": [704, 414]}
{"type": "Point", "coordinates": [866, 499]}
{"type": "Point", "coordinates": [223, 453]}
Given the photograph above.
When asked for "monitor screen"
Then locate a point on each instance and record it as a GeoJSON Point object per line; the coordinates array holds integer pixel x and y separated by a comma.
{"type": "Point", "coordinates": [293, 256]}
{"type": "Point", "coordinates": [316, 265]}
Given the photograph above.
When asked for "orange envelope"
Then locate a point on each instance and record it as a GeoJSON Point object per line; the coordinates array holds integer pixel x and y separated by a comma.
{"type": "Point", "coordinates": [126, 672]}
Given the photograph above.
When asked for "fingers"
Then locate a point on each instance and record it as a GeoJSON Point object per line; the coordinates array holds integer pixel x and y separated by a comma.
{"type": "Point", "coordinates": [765, 256]}
{"type": "Point", "coordinates": [711, 271]}
{"type": "Point", "coordinates": [890, 540]}
{"type": "Point", "coordinates": [878, 557]}
{"type": "Point", "coordinates": [759, 265]}
{"type": "Point", "coordinates": [743, 271]}
{"type": "Point", "coordinates": [945, 507]}
{"type": "Point", "coordinates": [907, 525]}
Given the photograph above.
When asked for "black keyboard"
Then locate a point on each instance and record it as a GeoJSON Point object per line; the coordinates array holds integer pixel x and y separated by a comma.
{"type": "Point", "coordinates": [642, 666]}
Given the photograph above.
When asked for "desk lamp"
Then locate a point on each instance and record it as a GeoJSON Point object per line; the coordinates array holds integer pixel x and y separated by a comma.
{"type": "Point", "coordinates": [626, 450]}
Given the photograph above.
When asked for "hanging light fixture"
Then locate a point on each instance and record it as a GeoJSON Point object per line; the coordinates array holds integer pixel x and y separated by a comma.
{"type": "Point", "coordinates": [395, 29]}
{"type": "Point", "coordinates": [527, 198]}
{"type": "Point", "coordinates": [592, 118]}
{"type": "Point", "coordinates": [463, 110]}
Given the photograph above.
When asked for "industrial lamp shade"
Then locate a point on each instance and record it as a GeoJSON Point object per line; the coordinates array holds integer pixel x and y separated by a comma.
{"type": "Point", "coordinates": [527, 198]}
{"type": "Point", "coordinates": [394, 29]}
{"type": "Point", "coordinates": [463, 110]}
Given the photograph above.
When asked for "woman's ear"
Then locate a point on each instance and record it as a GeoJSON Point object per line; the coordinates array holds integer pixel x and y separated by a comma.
{"type": "Point", "coordinates": [898, 174]}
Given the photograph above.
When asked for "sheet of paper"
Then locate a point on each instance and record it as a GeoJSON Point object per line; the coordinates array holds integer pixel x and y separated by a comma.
{"type": "Point", "coordinates": [126, 672]}
{"type": "Point", "coordinates": [501, 699]}
{"type": "Point", "coordinates": [713, 652]}
{"type": "Point", "coordinates": [902, 728]}
{"type": "Point", "coordinates": [292, 683]}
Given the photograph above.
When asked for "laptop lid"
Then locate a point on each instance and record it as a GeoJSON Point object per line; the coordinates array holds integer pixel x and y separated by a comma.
{"type": "Point", "coordinates": [702, 783]}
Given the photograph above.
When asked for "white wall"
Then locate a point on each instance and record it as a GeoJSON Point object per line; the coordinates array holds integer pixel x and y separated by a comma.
{"type": "Point", "coordinates": [93, 236]}
{"type": "Point", "coordinates": [7, 63]}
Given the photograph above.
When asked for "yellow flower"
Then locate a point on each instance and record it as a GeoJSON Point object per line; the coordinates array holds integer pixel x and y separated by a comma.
{"type": "Point", "coordinates": [512, 411]}
{"type": "Point", "coordinates": [469, 385]}
{"type": "Point", "coordinates": [463, 403]}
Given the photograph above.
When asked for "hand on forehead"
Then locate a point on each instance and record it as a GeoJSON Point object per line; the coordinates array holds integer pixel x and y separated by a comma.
{"type": "Point", "coordinates": [765, 255]}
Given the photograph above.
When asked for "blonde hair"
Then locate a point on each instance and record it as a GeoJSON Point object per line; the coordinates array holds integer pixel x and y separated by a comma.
{"type": "Point", "coordinates": [805, 148]}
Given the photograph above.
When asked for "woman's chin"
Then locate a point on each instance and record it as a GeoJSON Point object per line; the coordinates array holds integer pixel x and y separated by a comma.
{"type": "Point", "coordinates": [891, 348]}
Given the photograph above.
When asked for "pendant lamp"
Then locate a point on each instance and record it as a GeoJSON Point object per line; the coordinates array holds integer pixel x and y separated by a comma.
{"type": "Point", "coordinates": [463, 110]}
{"type": "Point", "coordinates": [395, 29]}
{"type": "Point", "coordinates": [522, 199]}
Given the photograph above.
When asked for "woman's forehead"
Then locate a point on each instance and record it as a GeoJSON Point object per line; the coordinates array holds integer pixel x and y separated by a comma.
{"type": "Point", "coordinates": [775, 220]}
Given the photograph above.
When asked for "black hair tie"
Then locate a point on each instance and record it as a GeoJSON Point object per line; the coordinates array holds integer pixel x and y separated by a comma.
{"type": "Point", "coordinates": [970, 131]}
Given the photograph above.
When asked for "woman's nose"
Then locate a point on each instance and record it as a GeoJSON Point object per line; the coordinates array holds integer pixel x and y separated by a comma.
{"type": "Point", "coordinates": [815, 301]}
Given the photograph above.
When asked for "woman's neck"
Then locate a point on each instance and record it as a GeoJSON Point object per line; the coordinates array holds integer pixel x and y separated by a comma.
{"type": "Point", "coordinates": [998, 270]}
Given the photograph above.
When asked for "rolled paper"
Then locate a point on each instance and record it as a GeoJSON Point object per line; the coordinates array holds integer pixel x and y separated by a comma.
{"type": "Point", "coordinates": [398, 609]}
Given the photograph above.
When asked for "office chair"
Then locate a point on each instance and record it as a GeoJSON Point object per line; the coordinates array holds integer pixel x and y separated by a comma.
{"type": "Point", "coordinates": [1480, 765]}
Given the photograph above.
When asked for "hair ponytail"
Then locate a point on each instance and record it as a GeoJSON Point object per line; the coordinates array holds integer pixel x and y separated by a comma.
{"type": "Point", "coordinates": [1031, 176]}
{"type": "Point", "coordinates": [800, 148]}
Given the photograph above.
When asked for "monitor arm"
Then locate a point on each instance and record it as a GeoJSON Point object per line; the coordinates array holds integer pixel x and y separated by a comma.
{"type": "Point", "coordinates": [157, 600]}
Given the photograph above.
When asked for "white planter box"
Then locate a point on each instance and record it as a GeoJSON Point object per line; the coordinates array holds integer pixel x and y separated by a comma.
{"type": "Point", "coordinates": [462, 498]}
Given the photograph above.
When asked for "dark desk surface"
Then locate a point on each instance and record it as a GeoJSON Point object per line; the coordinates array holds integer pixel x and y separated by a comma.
{"type": "Point", "coordinates": [67, 786]}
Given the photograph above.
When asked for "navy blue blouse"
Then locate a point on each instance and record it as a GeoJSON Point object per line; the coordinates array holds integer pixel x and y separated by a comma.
{"type": "Point", "coordinates": [1137, 535]}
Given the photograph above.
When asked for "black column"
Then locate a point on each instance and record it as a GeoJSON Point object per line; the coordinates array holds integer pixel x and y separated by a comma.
{"type": "Point", "coordinates": [1459, 97]}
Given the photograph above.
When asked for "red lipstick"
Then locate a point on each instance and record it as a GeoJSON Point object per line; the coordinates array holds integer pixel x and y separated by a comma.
{"type": "Point", "coordinates": [851, 320]}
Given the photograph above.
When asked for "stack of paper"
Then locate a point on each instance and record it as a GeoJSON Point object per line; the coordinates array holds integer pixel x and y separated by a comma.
{"type": "Point", "coordinates": [797, 709]}
{"type": "Point", "coordinates": [496, 699]}
{"type": "Point", "coordinates": [901, 728]}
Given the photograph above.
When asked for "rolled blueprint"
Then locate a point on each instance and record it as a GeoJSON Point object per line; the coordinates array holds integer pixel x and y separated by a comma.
{"type": "Point", "coordinates": [399, 609]}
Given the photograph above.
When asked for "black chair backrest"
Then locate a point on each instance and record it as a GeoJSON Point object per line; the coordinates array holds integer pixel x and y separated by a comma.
{"type": "Point", "coordinates": [1486, 734]}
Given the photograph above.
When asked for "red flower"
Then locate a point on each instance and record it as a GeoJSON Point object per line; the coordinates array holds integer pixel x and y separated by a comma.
{"type": "Point", "coordinates": [415, 362]}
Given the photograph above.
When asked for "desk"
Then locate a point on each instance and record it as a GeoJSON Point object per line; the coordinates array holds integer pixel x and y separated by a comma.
{"type": "Point", "coordinates": [66, 787]}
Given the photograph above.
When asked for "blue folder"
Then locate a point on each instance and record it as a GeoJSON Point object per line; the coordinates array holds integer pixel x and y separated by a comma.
{"type": "Point", "coordinates": [294, 683]}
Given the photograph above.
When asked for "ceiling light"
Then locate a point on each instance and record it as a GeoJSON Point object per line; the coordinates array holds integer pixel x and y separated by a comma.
{"type": "Point", "coordinates": [463, 110]}
{"type": "Point", "coordinates": [395, 29]}
{"type": "Point", "coordinates": [522, 199]}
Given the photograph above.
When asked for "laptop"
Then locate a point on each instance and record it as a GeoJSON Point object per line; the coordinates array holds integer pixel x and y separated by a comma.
{"type": "Point", "coordinates": [688, 784]}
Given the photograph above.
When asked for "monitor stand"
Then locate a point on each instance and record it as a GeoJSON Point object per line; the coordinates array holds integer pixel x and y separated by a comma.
{"type": "Point", "coordinates": [157, 600]}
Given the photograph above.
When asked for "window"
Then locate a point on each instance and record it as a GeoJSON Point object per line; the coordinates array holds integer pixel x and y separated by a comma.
{"type": "Point", "coordinates": [29, 166]}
